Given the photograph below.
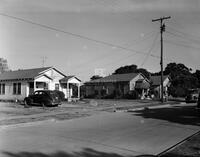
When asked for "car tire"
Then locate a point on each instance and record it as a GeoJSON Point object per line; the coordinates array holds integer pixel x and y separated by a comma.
{"type": "Point", "coordinates": [27, 102]}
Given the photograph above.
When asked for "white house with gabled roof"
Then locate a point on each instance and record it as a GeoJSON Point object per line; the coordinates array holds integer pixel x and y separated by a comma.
{"type": "Point", "coordinates": [16, 85]}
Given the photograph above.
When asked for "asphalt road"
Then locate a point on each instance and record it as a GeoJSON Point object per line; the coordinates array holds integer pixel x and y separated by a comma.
{"type": "Point", "coordinates": [102, 135]}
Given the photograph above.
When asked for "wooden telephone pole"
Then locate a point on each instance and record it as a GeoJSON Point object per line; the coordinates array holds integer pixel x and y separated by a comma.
{"type": "Point", "coordinates": [162, 29]}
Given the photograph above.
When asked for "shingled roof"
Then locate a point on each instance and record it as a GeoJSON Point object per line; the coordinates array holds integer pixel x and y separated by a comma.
{"type": "Point", "coordinates": [156, 80]}
{"type": "Point", "coordinates": [116, 78]}
{"type": "Point", "coordinates": [26, 74]}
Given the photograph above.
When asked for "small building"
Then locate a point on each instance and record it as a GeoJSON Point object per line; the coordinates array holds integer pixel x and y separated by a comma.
{"type": "Point", "coordinates": [16, 85]}
{"type": "Point", "coordinates": [156, 85]}
{"type": "Point", "coordinates": [117, 86]}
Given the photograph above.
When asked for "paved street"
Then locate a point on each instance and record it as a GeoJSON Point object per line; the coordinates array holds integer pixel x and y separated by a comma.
{"type": "Point", "coordinates": [106, 134]}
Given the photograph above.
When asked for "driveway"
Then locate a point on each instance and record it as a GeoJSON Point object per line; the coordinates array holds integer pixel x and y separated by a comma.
{"type": "Point", "coordinates": [103, 135]}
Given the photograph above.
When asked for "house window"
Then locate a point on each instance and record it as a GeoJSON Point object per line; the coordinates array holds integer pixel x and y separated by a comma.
{"type": "Point", "coordinates": [17, 88]}
{"type": "Point", "coordinates": [14, 88]}
{"type": "Point", "coordinates": [56, 86]}
{"type": "Point", "coordinates": [2, 88]}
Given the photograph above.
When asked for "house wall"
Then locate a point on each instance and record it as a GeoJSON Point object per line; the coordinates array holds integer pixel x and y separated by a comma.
{"type": "Point", "coordinates": [133, 81]}
{"type": "Point", "coordinates": [157, 89]}
{"type": "Point", "coordinates": [109, 88]}
{"type": "Point", "coordinates": [50, 77]}
{"type": "Point", "coordinates": [56, 76]}
{"type": "Point", "coordinates": [9, 91]}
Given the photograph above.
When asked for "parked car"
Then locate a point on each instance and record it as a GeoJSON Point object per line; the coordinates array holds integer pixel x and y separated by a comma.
{"type": "Point", "coordinates": [44, 98]}
{"type": "Point", "coordinates": [192, 95]}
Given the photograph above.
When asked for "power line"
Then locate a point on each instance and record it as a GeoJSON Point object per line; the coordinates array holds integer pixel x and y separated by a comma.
{"type": "Point", "coordinates": [75, 35]}
{"type": "Point", "coordinates": [150, 50]}
{"type": "Point", "coordinates": [103, 56]}
{"type": "Point", "coordinates": [184, 35]}
{"type": "Point", "coordinates": [181, 44]}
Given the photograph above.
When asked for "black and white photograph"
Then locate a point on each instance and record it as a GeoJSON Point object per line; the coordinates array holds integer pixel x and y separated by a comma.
{"type": "Point", "coordinates": [99, 78]}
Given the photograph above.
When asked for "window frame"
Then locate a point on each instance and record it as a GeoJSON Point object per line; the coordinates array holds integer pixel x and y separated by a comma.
{"type": "Point", "coordinates": [3, 89]}
{"type": "Point", "coordinates": [17, 88]}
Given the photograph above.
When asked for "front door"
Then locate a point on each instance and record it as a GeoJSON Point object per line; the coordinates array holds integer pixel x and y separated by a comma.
{"type": "Point", "coordinates": [31, 87]}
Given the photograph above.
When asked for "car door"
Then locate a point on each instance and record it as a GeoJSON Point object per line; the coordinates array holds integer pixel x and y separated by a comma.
{"type": "Point", "coordinates": [35, 97]}
{"type": "Point", "coordinates": [43, 97]}
{"type": "Point", "coordinates": [38, 97]}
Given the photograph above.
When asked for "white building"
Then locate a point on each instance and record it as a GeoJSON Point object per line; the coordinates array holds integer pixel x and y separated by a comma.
{"type": "Point", "coordinates": [156, 85]}
{"type": "Point", "coordinates": [16, 85]}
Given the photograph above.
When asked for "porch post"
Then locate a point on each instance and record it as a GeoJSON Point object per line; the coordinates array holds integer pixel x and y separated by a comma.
{"type": "Point", "coordinates": [78, 90]}
{"type": "Point", "coordinates": [34, 87]}
{"type": "Point", "coordinates": [67, 90]}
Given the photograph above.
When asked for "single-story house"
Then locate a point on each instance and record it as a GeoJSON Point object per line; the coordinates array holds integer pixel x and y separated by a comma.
{"type": "Point", "coordinates": [16, 85]}
{"type": "Point", "coordinates": [156, 85]}
{"type": "Point", "coordinates": [117, 85]}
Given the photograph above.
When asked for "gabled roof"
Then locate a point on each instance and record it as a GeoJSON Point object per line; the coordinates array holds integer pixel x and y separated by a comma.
{"type": "Point", "coordinates": [156, 80]}
{"type": "Point", "coordinates": [66, 79]}
{"type": "Point", "coordinates": [142, 84]}
{"type": "Point", "coordinates": [116, 78]}
{"type": "Point", "coordinates": [26, 74]}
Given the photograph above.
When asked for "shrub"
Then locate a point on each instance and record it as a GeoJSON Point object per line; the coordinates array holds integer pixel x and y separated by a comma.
{"type": "Point", "coordinates": [60, 94]}
{"type": "Point", "coordinates": [132, 95]}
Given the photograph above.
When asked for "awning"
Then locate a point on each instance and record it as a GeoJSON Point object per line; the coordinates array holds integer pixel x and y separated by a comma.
{"type": "Point", "coordinates": [142, 85]}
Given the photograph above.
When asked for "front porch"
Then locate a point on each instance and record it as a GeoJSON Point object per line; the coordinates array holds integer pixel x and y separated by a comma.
{"type": "Point", "coordinates": [71, 88]}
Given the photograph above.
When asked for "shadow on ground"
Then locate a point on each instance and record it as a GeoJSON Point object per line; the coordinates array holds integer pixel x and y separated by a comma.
{"type": "Point", "coordinates": [187, 115]}
{"type": "Point", "coordinates": [87, 152]}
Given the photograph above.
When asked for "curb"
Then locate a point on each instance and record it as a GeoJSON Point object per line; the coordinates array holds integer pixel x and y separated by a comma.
{"type": "Point", "coordinates": [2, 127]}
{"type": "Point", "coordinates": [144, 108]}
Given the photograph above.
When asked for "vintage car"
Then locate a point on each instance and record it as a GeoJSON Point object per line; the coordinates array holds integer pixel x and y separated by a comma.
{"type": "Point", "coordinates": [44, 98]}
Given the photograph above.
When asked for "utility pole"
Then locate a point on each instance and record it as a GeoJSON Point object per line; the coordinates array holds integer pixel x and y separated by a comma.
{"type": "Point", "coordinates": [162, 29]}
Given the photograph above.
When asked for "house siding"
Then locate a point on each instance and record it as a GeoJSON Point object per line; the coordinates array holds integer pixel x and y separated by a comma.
{"type": "Point", "coordinates": [119, 88]}
{"type": "Point", "coordinates": [133, 81]}
{"type": "Point", "coordinates": [55, 79]}
{"type": "Point", "coordinates": [9, 91]}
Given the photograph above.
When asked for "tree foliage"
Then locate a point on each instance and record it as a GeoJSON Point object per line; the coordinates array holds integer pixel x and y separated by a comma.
{"type": "Point", "coordinates": [95, 77]}
{"type": "Point", "coordinates": [181, 78]}
{"type": "Point", "coordinates": [132, 69]}
{"type": "Point", "coordinates": [197, 75]}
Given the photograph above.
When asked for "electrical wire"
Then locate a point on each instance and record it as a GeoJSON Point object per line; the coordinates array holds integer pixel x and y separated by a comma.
{"type": "Point", "coordinates": [75, 35]}
{"type": "Point", "coordinates": [150, 50]}
{"type": "Point", "coordinates": [181, 44]}
{"type": "Point", "coordinates": [103, 56]}
{"type": "Point", "coordinates": [183, 35]}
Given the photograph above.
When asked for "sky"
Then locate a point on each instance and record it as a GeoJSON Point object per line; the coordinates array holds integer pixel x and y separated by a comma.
{"type": "Point", "coordinates": [79, 36]}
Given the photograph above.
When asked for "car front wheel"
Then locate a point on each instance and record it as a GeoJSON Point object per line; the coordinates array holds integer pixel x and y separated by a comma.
{"type": "Point", "coordinates": [27, 102]}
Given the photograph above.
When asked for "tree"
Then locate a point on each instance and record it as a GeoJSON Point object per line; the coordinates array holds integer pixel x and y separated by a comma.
{"type": "Point", "coordinates": [181, 77]}
{"type": "Point", "coordinates": [197, 75]}
{"type": "Point", "coordinates": [132, 69]}
{"type": "Point", "coordinates": [95, 77]}
{"type": "Point", "coordinates": [126, 69]}
{"type": "Point", "coordinates": [144, 72]}
{"type": "Point", "coordinates": [175, 70]}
